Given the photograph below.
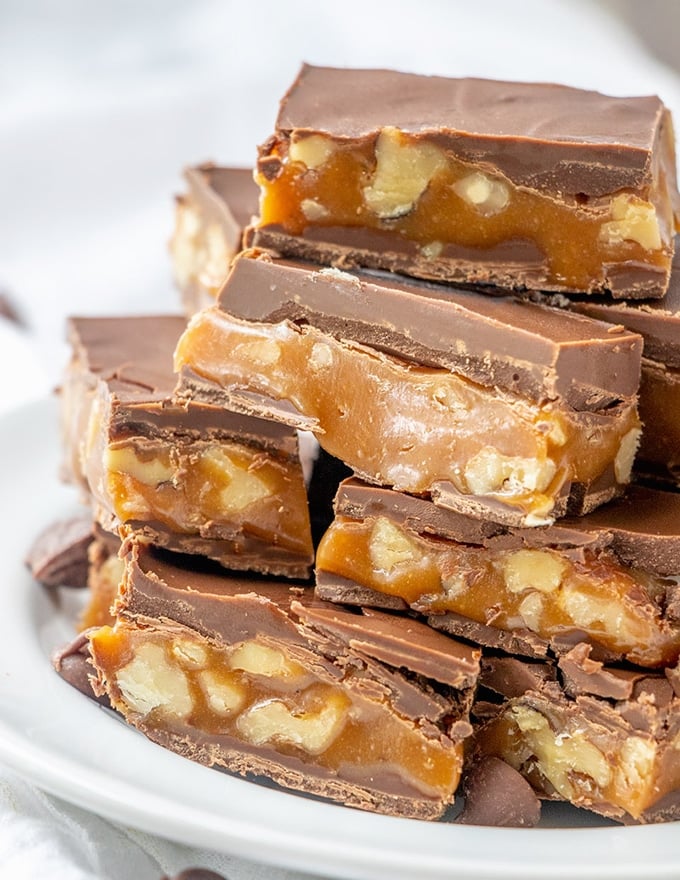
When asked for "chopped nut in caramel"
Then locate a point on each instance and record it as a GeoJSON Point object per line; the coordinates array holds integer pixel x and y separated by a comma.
{"type": "Point", "coordinates": [412, 427]}
{"type": "Point", "coordinates": [472, 180]}
{"type": "Point", "coordinates": [543, 590]}
{"type": "Point", "coordinates": [587, 752]}
{"type": "Point", "coordinates": [255, 694]}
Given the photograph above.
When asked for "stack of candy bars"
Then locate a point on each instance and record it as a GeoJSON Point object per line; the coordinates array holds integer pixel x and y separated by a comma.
{"type": "Point", "coordinates": [455, 286]}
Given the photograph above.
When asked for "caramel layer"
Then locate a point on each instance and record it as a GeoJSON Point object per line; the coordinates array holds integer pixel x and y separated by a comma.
{"type": "Point", "coordinates": [586, 753]}
{"type": "Point", "coordinates": [414, 189]}
{"type": "Point", "coordinates": [197, 486]}
{"type": "Point", "coordinates": [255, 693]}
{"type": "Point", "coordinates": [541, 590]}
{"type": "Point", "coordinates": [414, 428]}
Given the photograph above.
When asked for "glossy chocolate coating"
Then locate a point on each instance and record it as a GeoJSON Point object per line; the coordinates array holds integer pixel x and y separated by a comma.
{"type": "Point", "coordinates": [544, 136]}
{"type": "Point", "coordinates": [72, 663]}
{"type": "Point", "coordinates": [496, 794]}
{"type": "Point", "coordinates": [58, 556]}
{"type": "Point", "coordinates": [503, 342]}
{"type": "Point", "coordinates": [227, 196]}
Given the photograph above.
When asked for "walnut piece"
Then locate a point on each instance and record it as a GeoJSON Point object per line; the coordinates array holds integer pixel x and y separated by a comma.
{"type": "Point", "coordinates": [402, 173]}
{"type": "Point", "coordinates": [390, 547]}
{"type": "Point", "coordinates": [486, 194]}
{"type": "Point", "coordinates": [272, 720]}
{"type": "Point", "coordinates": [632, 220]}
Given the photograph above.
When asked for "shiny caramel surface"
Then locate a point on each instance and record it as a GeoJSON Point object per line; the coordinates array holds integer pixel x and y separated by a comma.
{"type": "Point", "coordinates": [408, 426]}
{"type": "Point", "coordinates": [543, 590]}
{"type": "Point", "coordinates": [191, 487]}
{"type": "Point", "coordinates": [452, 205]}
{"type": "Point", "coordinates": [172, 680]}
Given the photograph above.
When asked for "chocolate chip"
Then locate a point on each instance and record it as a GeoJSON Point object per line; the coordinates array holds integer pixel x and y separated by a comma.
{"type": "Point", "coordinates": [72, 664]}
{"type": "Point", "coordinates": [58, 556]}
{"type": "Point", "coordinates": [496, 794]}
{"type": "Point", "coordinates": [195, 874]}
{"type": "Point", "coordinates": [9, 311]}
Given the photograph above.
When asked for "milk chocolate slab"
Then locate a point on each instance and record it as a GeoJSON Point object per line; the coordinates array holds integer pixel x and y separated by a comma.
{"type": "Point", "coordinates": [194, 478]}
{"type": "Point", "coordinates": [9, 310]}
{"type": "Point", "coordinates": [659, 450]}
{"type": "Point", "coordinates": [497, 342]}
{"type": "Point", "coordinates": [486, 404]}
{"type": "Point", "coordinates": [616, 756]}
{"type": "Point", "coordinates": [260, 678]}
{"type": "Point", "coordinates": [658, 322]}
{"type": "Point", "coordinates": [513, 676]}
{"type": "Point", "coordinates": [521, 186]}
{"type": "Point", "coordinates": [210, 218]}
{"type": "Point", "coordinates": [606, 579]}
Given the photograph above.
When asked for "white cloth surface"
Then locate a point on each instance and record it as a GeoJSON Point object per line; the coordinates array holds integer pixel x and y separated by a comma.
{"type": "Point", "coordinates": [103, 104]}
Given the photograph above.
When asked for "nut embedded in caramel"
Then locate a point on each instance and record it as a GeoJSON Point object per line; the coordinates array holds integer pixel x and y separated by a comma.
{"type": "Point", "coordinates": [171, 682]}
{"type": "Point", "coordinates": [415, 428]}
{"type": "Point", "coordinates": [542, 590]}
{"type": "Point", "coordinates": [516, 185]}
{"type": "Point", "coordinates": [589, 752]}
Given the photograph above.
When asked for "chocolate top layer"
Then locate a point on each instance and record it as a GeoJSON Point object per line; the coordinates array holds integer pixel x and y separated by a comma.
{"type": "Point", "coordinates": [642, 529]}
{"type": "Point", "coordinates": [542, 135]}
{"type": "Point", "coordinates": [233, 607]}
{"type": "Point", "coordinates": [132, 356]}
{"type": "Point", "coordinates": [226, 195]}
{"type": "Point", "coordinates": [522, 346]}
{"type": "Point", "coordinates": [657, 321]}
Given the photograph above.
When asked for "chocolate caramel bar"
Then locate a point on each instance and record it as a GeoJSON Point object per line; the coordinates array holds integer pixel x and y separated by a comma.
{"type": "Point", "coordinates": [259, 678]}
{"type": "Point", "coordinates": [601, 738]}
{"type": "Point", "coordinates": [209, 222]}
{"type": "Point", "coordinates": [658, 322]}
{"type": "Point", "coordinates": [194, 478]}
{"type": "Point", "coordinates": [491, 405]}
{"type": "Point", "coordinates": [609, 579]}
{"type": "Point", "coordinates": [516, 185]}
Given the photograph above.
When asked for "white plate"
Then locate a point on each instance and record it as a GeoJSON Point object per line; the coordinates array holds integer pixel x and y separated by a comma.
{"type": "Point", "coordinates": [55, 737]}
